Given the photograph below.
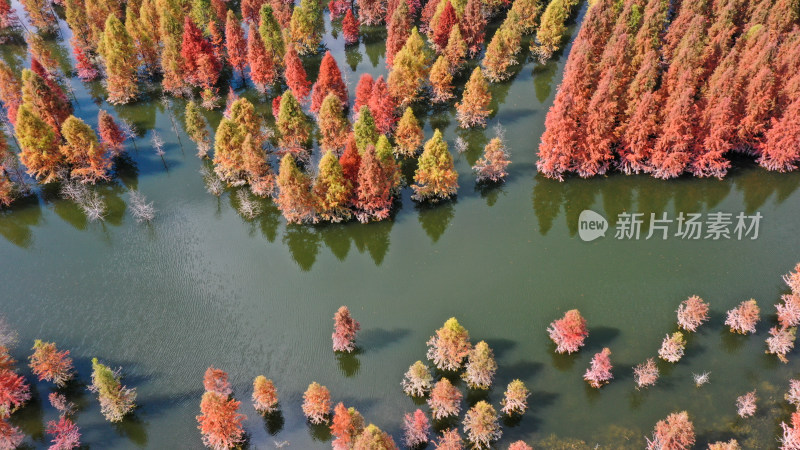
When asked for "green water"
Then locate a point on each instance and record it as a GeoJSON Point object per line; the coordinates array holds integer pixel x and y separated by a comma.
{"type": "Point", "coordinates": [202, 286]}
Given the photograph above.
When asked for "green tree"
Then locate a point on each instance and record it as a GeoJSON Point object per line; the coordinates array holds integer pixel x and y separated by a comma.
{"type": "Point", "coordinates": [39, 153]}
{"type": "Point", "coordinates": [365, 130]}
{"type": "Point", "coordinates": [306, 26]}
{"type": "Point", "coordinates": [82, 151]}
{"type": "Point", "coordinates": [408, 135]}
{"type": "Point", "coordinates": [333, 124]}
{"type": "Point", "coordinates": [271, 35]}
{"type": "Point", "coordinates": [332, 190]}
{"type": "Point", "coordinates": [196, 128]}
{"type": "Point", "coordinates": [436, 178]}
{"type": "Point", "coordinates": [294, 126]}
{"type": "Point", "coordinates": [409, 70]}
{"type": "Point", "coordinates": [116, 49]}
{"type": "Point", "coordinates": [116, 400]}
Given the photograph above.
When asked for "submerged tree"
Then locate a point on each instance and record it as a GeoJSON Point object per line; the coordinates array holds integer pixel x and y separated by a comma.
{"type": "Point", "coordinates": [65, 433]}
{"type": "Point", "coordinates": [441, 80]}
{"type": "Point", "coordinates": [672, 347]}
{"type": "Point", "coordinates": [491, 167]}
{"type": "Point", "coordinates": [333, 193]}
{"type": "Point", "coordinates": [294, 192]}
{"type": "Point", "coordinates": [116, 400]}
{"type": "Point", "coordinates": [692, 313]}
{"type": "Point", "coordinates": [676, 432]}
{"type": "Point", "coordinates": [265, 396]}
{"type": "Point", "coordinates": [781, 342]}
{"type": "Point", "coordinates": [417, 380]}
{"type": "Point", "coordinates": [346, 426]}
{"type": "Point", "coordinates": [515, 400]}
{"type": "Point", "coordinates": [333, 124]}
{"type": "Point", "coordinates": [329, 80]}
{"type": "Point", "coordinates": [220, 423]}
{"type": "Point", "coordinates": [262, 66]}
{"type": "Point", "coordinates": [344, 330]}
{"type": "Point", "coordinates": [569, 332]}
{"type": "Point", "coordinates": [646, 373]}
{"type": "Point", "coordinates": [480, 367]}
{"type": "Point", "coordinates": [373, 438]}
{"type": "Point", "coordinates": [196, 128]}
{"type": "Point", "coordinates": [49, 364]}
{"type": "Point", "coordinates": [39, 153]}
{"type": "Point", "coordinates": [350, 27]}
{"type": "Point", "coordinates": [296, 77]}
{"type": "Point", "coordinates": [416, 429]}
{"type": "Point", "coordinates": [599, 373]}
{"type": "Point", "coordinates": [408, 135]}
{"type": "Point", "coordinates": [435, 178]}
{"type": "Point", "coordinates": [306, 26]}
{"type": "Point", "coordinates": [294, 127]}
{"type": "Point", "coordinates": [473, 109]}
{"type": "Point", "coordinates": [746, 404]}
{"type": "Point", "coordinates": [82, 152]}
{"type": "Point", "coordinates": [449, 346]}
{"type": "Point", "coordinates": [116, 49]}
{"type": "Point", "coordinates": [481, 425]}
{"type": "Point", "coordinates": [111, 135]}
{"type": "Point", "coordinates": [235, 44]}
{"type": "Point", "coordinates": [743, 318]}
{"type": "Point", "coordinates": [317, 403]}
{"type": "Point", "coordinates": [216, 380]}
{"type": "Point", "coordinates": [445, 400]}
{"type": "Point", "coordinates": [789, 310]}
{"type": "Point", "coordinates": [449, 440]}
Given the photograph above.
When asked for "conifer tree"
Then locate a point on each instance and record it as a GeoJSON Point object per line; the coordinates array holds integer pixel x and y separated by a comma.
{"type": "Point", "coordinates": [306, 26]}
{"type": "Point", "coordinates": [346, 426]}
{"type": "Point", "coordinates": [10, 92]}
{"type": "Point", "coordinates": [200, 11]}
{"type": "Point", "coordinates": [49, 364]}
{"type": "Point", "coordinates": [111, 136]}
{"type": "Point", "coordinates": [294, 127]}
{"type": "Point", "coordinates": [271, 36]}
{"type": "Point", "coordinates": [146, 48]}
{"type": "Point", "coordinates": [262, 69]}
{"type": "Point", "coordinates": [235, 43]}
{"type": "Point", "coordinates": [329, 80]}
{"type": "Point", "coordinates": [116, 400]}
{"type": "Point", "coordinates": [456, 50]}
{"type": "Point", "coordinates": [398, 31]}
{"type": "Point", "coordinates": [502, 50]}
{"type": "Point", "coordinates": [147, 37]}
{"type": "Point", "coordinates": [365, 130]}
{"type": "Point", "coordinates": [435, 178]}
{"type": "Point", "coordinates": [332, 190]}
{"type": "Point", "coordinates": [116, 49]}
{"type": "Point", "coordinates": [98, 11]}
{"type": "Point", "coordinates": [382, 106]}
{"type": "Point", "coordinates": [351, 161]}
{"type": "Point", "coordinates": [83, 152]}
{"type": "Point", "coordinates": [39, 144]}
{"type": "Point", "coordinates": [78, 22]}
{"type": "Point", "coordinates": [40, 15]}
{"type": "Point", "coordinates": [473, 108]}
{"type": "Point", "coordinates": [220, 422]}
{"type": "Point", "coordinates": [350, 28]}
{"type": "Point", "coordinates": [296, 77]}
{"type": "Point", "coordinates": [447, 20]}
{"type": "Point", "coordinates": [171, 33]}
{"type": "Point", "coordinates": [363, 91]}
{"type": "Point", "coordinates": [409, 70]}
{"type": "Point", "coordinates": [371, 12]}
{"type": "Point", "coordinates": [46, 99]}
{"type": "Point", "coordinates": [373, 438]}
{"type": "Point", "coordinates": [196, 128]}
{"type": "Point", "coordinates": [295, 199]}
{"type": "Point", "coordinates": [251, 9]}
{"type": "Point", "coordinates": [389, 166]}
{"type": "Point", "coordinates": [256, 168]}
{"type": "Point", "coordinates": [552, 28]}
{"type": "Point", "coordinates": [333, 125]}
{"type": "Point", "coordinates": [408, 136]}
{"type": "Point", "coordinates": [526, 12]}
{"type": "Point", "coordinates": [492, 165]}
{"type": "Point", "coordinates": [374, 201]}
{"type": "Point", "coordinates": [200, 65]}
{"type": "Point", "coordinates": [265, 396]}
{"type": "Point", "coordinates": [441, 80]}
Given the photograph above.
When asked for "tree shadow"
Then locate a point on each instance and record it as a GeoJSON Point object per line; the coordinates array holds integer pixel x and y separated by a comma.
{"type": "Point", "coordinates": [375, 339]}
{"type": "Point", "coordinates": [349, 363]}
{"type": "Point", "coordinates": [600, 337]}
{"type": "Point", "coordinates": [274, 421]}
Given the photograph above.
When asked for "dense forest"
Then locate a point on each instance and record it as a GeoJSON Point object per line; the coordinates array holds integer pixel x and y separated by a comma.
{"type": "Point", "coordinates": [667, 88]}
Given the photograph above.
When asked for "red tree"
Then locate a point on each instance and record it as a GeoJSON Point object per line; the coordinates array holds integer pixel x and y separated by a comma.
{"type": "Point", "coordinates": [781, 148]}
{"type": "Point", "coordinates": [296, 77]}
{"type": "Point", "coordinates": [48, 364]}
{"type": "Point", "coordinates": [416, 429]}
{"type": "Point", "coordinates": [676, 432]}
{"type": "Point", "coordinates": [216, 380]}
{"type": "Point", "coordinates": [350, 27]}
{"type": "Point", "coordinates": [398, 31]}
{"type": "Point", "coordinates": [600, 371]}
{"type": "Point", "coordinates": [344, 330]}
{"type": "Point", "coordinates": [83, 65]}
{"type": "Point", "coordinates": [200, 64]}
{"type": "Point", "coordinates": [789, 310]}
{"type": "Point", "coordinates": [235, 44]}
{"type": "Point", "coordinates": [276, 106]}
{"type": "Point", "coordinates": [346, 425]}
{"type": "Point", "coordinates": [743, 318]}
{"type": "Point", "coordinates": [250, 10]}
{"type": "Point", "coordinates": [351, 161]}
{"type": "Point", "coordinates": [329, 80]}
{"type": "Point", "coordinates": [382, 106]}
{"type": "Point", "coordinates": [445, 400]}
{"type": "Point", "coordinates": [262, 67]}
{"type": "Point", "coordinates": [111, 135]}
{"type": "Point", "coordinates": [363, 91]}
{"type": "Point", "coordinates": [692, 313]}
{"type": "Point", "coordinates": [317, 403]}
{"type": "Point", "coordinates": [10, 436]}
{"type": "Point", "coordinates": [374, 192]}
{"type": "Point", "coordinates": [14, 391]}
{"type": "Point", "coordinates": [569, 332]}
{"type": "Point", "coordinates": [265, 396]}
{"type": "Point", "coordinates": [66, 435]}
{"type": "Point", "coordinates": [220, 423]}
{"type": "Point", "coordinates": [447, 20]}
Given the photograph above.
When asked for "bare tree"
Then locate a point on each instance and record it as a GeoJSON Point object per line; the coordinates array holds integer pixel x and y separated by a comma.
{"type": "Point", "coordinates": [141, 210]}
{"type": "Point", "coordinates": [213, 183]}
{"type": "Point", "coordinates": [248, 207]}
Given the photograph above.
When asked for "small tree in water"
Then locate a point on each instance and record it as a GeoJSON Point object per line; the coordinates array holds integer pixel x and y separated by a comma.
{"type": "Point", "coordinates": [743, 318]}
{"type": "Point", "coordinates": [416, 429]}
{"type": "Point", "coordinates": [116, 400]}
{"type": "Point", "coordinates": [48, 364]}
{"type": "Point", "coordinates": [344, 330]}
{"type": "Point", "coordinates": [317, 403]}
{"type": "Point", "coordinates": [516, 398]}
{"type": "Point", "coordinates": [746, 404]}
{"type": "Point", "coordinates": [480, 366]}
{"type": "Point", "coordinates": [646, 373]}
{"type": "Point", "coordinates": [781, 342]}
{"type": "Point", "coordinates": [672, 347]}
{"type": "Point", "coordinates": [449, 440]}
{"type": "Point", "coordinates": [445, 400]}
{"type": "Point", "coordinates": [676, 432]}
{"type": "Point", "coordinates": [417, 380]}
{"type": "Point", "coordinates": [346, 426]}
{"type": "Point", "coordinates": [481, 426]}
{"type": "Point", "coordinates": [219, 421]}
{"type": "Point", "coordinates": [449, 346]}
{"type": "Point", "coordinates": [692, 313]}
{"type": "Point", "coordinates": [599, 373]}
{"type": "Point", "coordinates": [519, 445]}
{"type": "Point", "coordinates": [216, 380]}
{"type": "Point", "coordinates": [491, 167]}
{"type": "Point", "coordinates": [435, 178]}
{"type": "Point", "coordinates": [265, 396]}
{"type": "Point", "coordinates": [569, 332]}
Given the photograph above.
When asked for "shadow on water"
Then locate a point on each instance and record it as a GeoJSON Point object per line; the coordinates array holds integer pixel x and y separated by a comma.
{"type": "Point", "coordinates": [376, 339]}
{"type": "Point", "coordinates": [274, 421]}
{"type": "Point", "coordinates": [435, 218]}
{"type": "Point", "coordinates": [16, 222]}
{"type": "Point", "coordinates": [349, 364]}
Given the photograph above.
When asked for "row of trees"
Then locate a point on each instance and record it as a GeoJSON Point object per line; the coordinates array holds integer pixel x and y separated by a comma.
{"type": "Point", "coordinates": [51, 365]}
{"type": "Point", "coordinates": [646, 92]}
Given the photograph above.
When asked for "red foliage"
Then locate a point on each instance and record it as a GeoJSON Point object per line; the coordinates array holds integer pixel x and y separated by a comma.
{"type": "Point", "coordinates": [676, 432]}
{"type": "Point", "coordinates": [791, 433]}
{"type": "Point", "coordinates": [428, 11]}
{"type": "Point", "coordinates": [416, 428]}
{"type": "Point", "coordinates": [345, 426]}
{"type": "Point", "coordinates": [371, 12]}
{"type": "Point", "coordinates": [363, 91]}
{"type": "Point", "coordinates": [344, 330]}
{"type": "Point", "coordinates": [744, 317]}
{"type": "Point", "coordinates": [519, 445]}
{"type": "Point", "coordinates": [398, 31]}
{"type": "Point", "coordinates": [216, 380]}
{"type": "Point", "coordinates": [450, 439]}
{"type": "Point", "coordinates": [445, 400]}
{"type": "Point", "coordinates": [646, 373]}
{"type": "Point", "coordinates": [781, 148]}
{"type": "Point", "coordinates": [296, 77]}
{"type": "Point", "coordinates": [338, 8]}
{"type": "Point", "coordinates": [350, 27]}
{"type": "Point", "coordinates": [265, 396]}
{"type": "Point", "coordinates": [60, 403]}
{"type": "Point", "coordinates": [781, 342]}
{"type": "Point", "coordinates": [110, 133]}
{"type": "Point", "coordinates": [200, 64]}
{"type": "Point", "coordinates": [10, 436]}
{"type": "Point", "coordinates": [220, 8]}
{"type": "Point", "coordinates": [14, 391]}
{"type": "Point", "coordinates": [447, 19]}
{"type": "Point", "coordinates": [317, 403]}
{"type": "Point", "coordinates": [692, 313]}
{"type": "Point", "coordinates": [219, 422]}
{"type": "Point", "coordinates": [600, 371]}
{"type": "Point", "coordinates": [329, 80]}
{"type": "Point", "coordinates": [569, 332]}
{"type": "Point", "coordinates": [382, 106]}
{"type": "Point", "coordinates": [86, 70]}
{"type": "Point", "coordinates": [262, 67]}
{"type": "Point", "coordinates": [789, 310]}
{"type": "Point", "coordinates": [276, 106]}
{"type": "Point", "coordinates": [66, 435]}
{"type": "Point", "coordinates": [250, 10]}
{"type": "Point", "coordinates": [48, 364]}
{"type": "Point", "coordinates": [235, 44]}
{"type": "Point", "coordinates": [351, 161]}
{"type": "Point", "coordinates": [374, 192]}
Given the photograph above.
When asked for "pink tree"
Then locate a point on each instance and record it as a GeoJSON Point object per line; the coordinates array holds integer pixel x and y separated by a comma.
{"type": "Point", "coordinates": [791, 433]}
{"type": "Point", "coordinates": [692, 313]}
{"type": "Point", "coordinates": [265, 396]}
{"type": "Point", "coordinates": [676, 432]}
{"type": "Point", "coordinates": [448, 348]}
{"type": "Point", "coordinates": [416, 429]}
{"type": "Point", "coordinates": [781, 342]}
{"type": "Point", "coordinates": [66, 435]}
{"type": "Point", "coordinates": [519, 445]}
{"type": "Point", "coordinates": [789, 310]}
{"type": "Point", "coordinates": [793, 279]}
{"type": "Point", "coordinates": [646, 373]}
{"type": "Point", "coordinates": [216, 380]}
{"type": "Point", "coordinates": [60, 403]}
{"type": "Point", "coordinates": [445, 400]}
{"type": "Point", "coordinates": [743, 318]}
{"type": "Point", "coordinates": [317, 403]}
{"type": "Point", "coordinates": [672, 347]}
{"type": "Point", "coordinates": [793, 395]}
{"type": "Point", "coordinates": [515, 400]}
{"type": "Point", "coordinates": [344, 330]}
{"type": "Point", "coordinates": [417, 380]}
{"type": "Point", "coordinates": [569, 332]}
{"type": "Point", "coordinates": [481, 426]}
{"type": "Point", "coordinates": [599, 373]}
{"type": "Point", "coordinates": [449, 440]}
{"type": "Point", "coordinates": [746, 404]}
{"type": "Point", "coordinates": [14, 391]}
{"type": "Point", "coordinates": [10, 436]}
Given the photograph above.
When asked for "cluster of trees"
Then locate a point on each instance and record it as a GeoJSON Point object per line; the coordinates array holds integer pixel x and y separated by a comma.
{"type": "Point", "coordinates": [644, 91]}
{"type": "Point", "coordinates": [51, 365]}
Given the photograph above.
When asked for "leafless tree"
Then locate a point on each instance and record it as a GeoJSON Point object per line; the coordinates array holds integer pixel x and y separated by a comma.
{"type": "Point", "coordinates": [141, 210]}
